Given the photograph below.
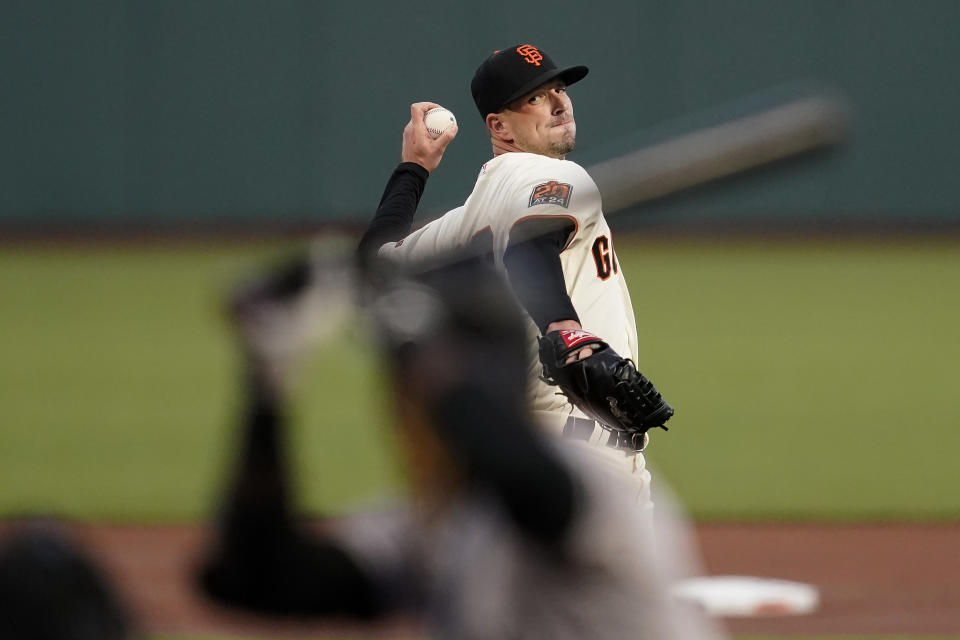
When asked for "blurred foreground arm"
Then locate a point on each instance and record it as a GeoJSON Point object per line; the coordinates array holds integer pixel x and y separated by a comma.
{"type": "Point", "coordinates": [261, 560]}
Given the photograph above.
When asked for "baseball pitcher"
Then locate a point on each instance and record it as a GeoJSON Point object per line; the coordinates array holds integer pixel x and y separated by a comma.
{"type": "Point", "coordinates": [539, 217]}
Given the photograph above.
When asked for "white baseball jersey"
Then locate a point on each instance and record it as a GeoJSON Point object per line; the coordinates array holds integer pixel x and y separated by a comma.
{"type": "Point", "coordinates": [515, 187]}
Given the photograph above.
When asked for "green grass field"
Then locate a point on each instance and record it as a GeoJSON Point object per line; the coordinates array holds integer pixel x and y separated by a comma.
{"type": "Point", "coordinates": [811, 381]}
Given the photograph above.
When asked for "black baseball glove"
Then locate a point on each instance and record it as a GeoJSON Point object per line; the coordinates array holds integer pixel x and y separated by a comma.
{"type": "Point", "coordinates": [604, 386]}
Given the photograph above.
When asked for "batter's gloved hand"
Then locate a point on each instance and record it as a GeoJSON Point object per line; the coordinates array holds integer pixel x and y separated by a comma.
{"type": "Point", "coordinates": [604, 386]}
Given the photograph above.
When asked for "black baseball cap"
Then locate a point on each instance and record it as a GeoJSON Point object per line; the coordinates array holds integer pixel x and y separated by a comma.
{"type": "Point", "coordinates": [509, 73]}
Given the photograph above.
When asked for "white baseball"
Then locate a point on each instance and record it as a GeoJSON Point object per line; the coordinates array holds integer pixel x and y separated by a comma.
{"type": "Point", "coordinates": [438, 120]}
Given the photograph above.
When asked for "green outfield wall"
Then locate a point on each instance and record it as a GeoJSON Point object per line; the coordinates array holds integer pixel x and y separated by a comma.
{"type": "Point", "coordinates": [180, 111]}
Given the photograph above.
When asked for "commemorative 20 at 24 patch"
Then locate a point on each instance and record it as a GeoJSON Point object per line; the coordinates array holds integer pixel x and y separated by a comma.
{"type": "Point", "coordinates": [552, 192]}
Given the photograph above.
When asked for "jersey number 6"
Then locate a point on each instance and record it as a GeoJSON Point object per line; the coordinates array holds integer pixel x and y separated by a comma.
{"type": "Point", "coordinates": [604, 257]}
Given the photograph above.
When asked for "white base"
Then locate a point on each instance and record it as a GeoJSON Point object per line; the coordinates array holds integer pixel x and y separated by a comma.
{"type": "Point", "coordinates": [746, 596]}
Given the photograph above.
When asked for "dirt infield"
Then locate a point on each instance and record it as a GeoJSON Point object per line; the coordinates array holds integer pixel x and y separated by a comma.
{"type": "Point", "coordinates": [873, 579]}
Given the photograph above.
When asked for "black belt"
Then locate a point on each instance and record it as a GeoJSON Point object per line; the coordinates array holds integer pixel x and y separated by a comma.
{"type": "Point", "coordinates": [583, 429]}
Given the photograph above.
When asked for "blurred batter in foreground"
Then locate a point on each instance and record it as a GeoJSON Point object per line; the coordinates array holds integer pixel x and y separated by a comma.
{"type": "Point", "coordinates": [508, 533]}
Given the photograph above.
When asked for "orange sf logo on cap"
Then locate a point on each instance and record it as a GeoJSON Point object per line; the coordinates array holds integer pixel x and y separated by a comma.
{"type": "Point", "coordinates": [530, 53]}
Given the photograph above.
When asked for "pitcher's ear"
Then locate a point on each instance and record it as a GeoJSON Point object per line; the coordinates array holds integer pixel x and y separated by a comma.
{"type": "Point", "coordinates": [497, 127]}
